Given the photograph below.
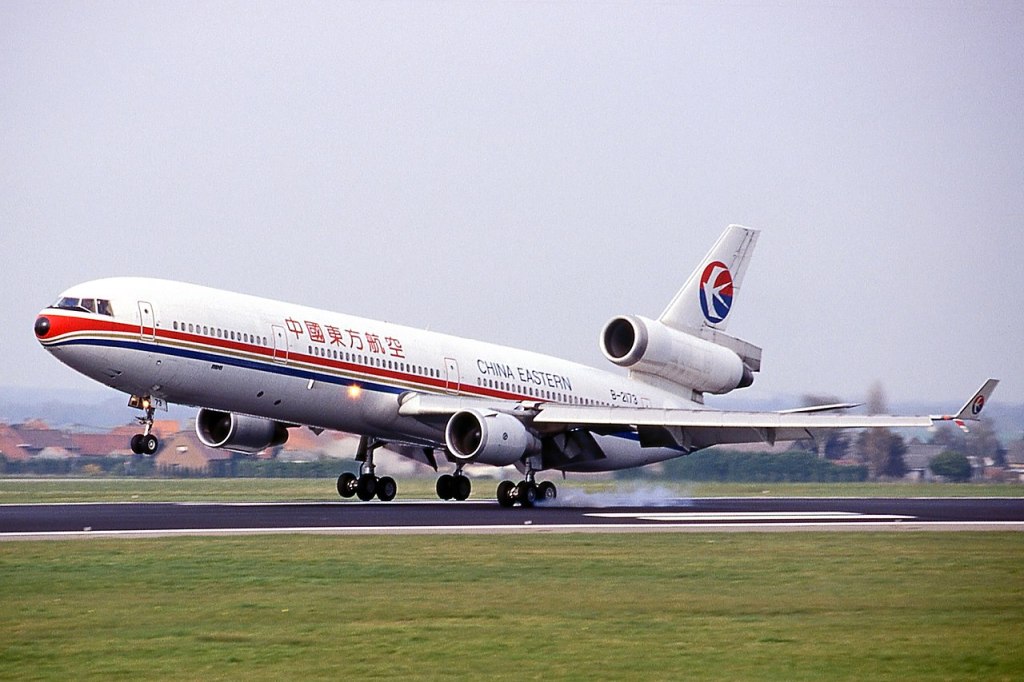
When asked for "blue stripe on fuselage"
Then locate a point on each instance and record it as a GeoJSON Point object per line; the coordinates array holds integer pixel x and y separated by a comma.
{"type": "Point", "coordinates": [206, 356]}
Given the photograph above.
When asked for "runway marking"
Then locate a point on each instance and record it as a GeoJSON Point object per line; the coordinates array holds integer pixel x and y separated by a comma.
{"type": "Point", "coordinates": [711, 517]}
{"type": "Point", "coordinates": [717, 527]}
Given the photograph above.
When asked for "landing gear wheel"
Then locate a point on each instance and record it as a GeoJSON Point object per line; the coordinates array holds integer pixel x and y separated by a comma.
{"type": "Point", "coordinates": [445, 486]}
{"type": "Point", "coordinates": [366, 487]}
{"type": "Point", "coordinates": [144, 443]}
{"type": "Point", "coordinates": [526, 493]}
{"type": "Point", "coordinates": [546, 492]}
{"type": "Point", "coordinates": [150, 444]}
{"type": "Point", "coordinates": [386, 488]}
{"type": "Point", "coordinates": [506, 493]}
{"type": "Point", "coordinates": [462, 488]}
{"type": "Point", "coordinates": [347, 484]}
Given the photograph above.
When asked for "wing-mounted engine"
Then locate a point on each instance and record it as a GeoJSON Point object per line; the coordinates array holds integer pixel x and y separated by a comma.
{"type": "Point", "coordinates": [488, 437]}
{"type": "Point", "coordinates": [717, 364]}
{"type": "Point", "coordinates": [238, 433]}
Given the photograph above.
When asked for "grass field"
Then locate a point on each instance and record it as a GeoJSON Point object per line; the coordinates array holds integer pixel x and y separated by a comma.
{"type": "Point", "coordinates": [15, 490]}
{"type": "Point", "coordinates": [930, 606]}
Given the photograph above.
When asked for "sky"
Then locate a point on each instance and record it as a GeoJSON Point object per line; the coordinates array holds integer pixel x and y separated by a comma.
{"type": "Point", "coordinates": [521, 172]}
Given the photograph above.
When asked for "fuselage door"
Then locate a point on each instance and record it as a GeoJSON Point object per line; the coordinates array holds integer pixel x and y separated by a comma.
{"type": "Point", "coordinates": [147, 319]}
{"type": "Point", "coordinates": [280, 345]}
{"type": "Point", "coordinates": [452, 381]}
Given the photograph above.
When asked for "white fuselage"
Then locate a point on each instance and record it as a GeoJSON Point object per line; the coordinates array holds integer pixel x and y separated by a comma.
{"type": "Point", "coordinates": [215, 349]}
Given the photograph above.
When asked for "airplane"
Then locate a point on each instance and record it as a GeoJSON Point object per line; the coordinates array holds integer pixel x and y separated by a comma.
{"type": "Point", "coordinates": [257, 367]}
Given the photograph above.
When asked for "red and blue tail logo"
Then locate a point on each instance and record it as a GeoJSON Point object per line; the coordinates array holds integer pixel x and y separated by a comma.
{"type": "Point", "coordinates": [716, 291]}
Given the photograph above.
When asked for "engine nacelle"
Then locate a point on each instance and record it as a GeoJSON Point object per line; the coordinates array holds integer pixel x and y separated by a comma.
{"type": "Point", "coordinates": [488, 437]}
{"type": "Point", "coordinates": [238, 433]}
{"type": "Point", "coordinates": [650, 347]}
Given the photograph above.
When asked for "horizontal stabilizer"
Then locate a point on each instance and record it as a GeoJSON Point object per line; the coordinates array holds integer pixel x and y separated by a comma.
{"type": "Point", "coordinates": [748, 352]}
{"type": "Point", "coordinates": [820, 408]}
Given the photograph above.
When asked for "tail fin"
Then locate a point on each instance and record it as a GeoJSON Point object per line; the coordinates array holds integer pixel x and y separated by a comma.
{"type": "Point", "coordinates": [972, 408]}
{"type": "Point", "coordinates": [708, 295]}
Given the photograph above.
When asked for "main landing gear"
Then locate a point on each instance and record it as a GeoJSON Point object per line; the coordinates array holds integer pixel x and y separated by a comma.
{"type": "Point", "coordinates": [455, 486]}
{"type": "Point", "coordinates": [144, 443]}
{"type": "Point", "coordinates": [527, 493]}
{"type": "Point", "coordinates": [366, 485]}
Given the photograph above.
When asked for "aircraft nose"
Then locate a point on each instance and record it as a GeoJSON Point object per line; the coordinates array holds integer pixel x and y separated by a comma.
{"type": "Point", "coordinates": [42, 326]}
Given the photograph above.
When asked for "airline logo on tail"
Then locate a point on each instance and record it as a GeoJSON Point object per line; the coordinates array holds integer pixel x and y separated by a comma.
{"type": "Point", "coordinates": [715, 291]}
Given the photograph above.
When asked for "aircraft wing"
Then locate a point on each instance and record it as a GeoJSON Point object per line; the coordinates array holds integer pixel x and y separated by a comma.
{"type": "Point", "coordinates": [646, 416]}
{"type": "Point", "coordinates": [688, 429]}
{"type": "Point", "coordinates": [695, 429]}
{"type": "Point", "coordinates": [698, 428]}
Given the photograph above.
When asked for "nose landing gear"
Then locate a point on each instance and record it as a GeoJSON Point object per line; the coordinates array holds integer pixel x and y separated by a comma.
{"type": "Point", "coordinates": [144, 443]}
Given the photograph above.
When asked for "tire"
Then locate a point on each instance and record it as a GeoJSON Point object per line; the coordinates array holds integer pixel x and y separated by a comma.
{"type": "Point", "coordinates": [136, 444]}
{"type": "Point", "coordinates": [546, 492]}
{"type": "Point", "coordinates": [366, 487]}
{"type": "Point", "coordinates": [526, 493]}
{"type": "Point", "coordinates": [445, 486]}
{"type": "Point", "coordinates": [386, 488]}
{"type": "Point", "coordinates": [150, 444]}
{"type": "Point", "coordinates": [462, 488]}
{"type": "Point", "coordinates": [506, 494]}
{"type": "Point", "coordinates": [347, 484]}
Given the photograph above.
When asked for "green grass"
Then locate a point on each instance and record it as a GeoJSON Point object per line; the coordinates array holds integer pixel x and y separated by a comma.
{"type": "Point", "coordinates": [14, 490]}
{"type": "Point", "coordinates": [930, 606]}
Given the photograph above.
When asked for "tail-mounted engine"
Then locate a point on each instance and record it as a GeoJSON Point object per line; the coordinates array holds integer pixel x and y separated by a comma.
{"type": "Point", "coordinates": [238, 433]}
{"type": "Point", "coordinates": [488, 437]}
{"type": "Point", "coordinates": [652, 348]}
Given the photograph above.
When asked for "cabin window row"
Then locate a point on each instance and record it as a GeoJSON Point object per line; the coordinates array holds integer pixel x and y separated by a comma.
{"type": "Point", "coordinates": [220, 333]}
{"type": "Point", "coordinates": [345, 356]}
{"type": "Point", "coordinates": [533, 392]}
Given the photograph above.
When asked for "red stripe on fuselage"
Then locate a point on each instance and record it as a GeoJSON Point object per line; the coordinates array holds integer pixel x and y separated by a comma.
{"type": "Point", "coordinates": [63, 324]}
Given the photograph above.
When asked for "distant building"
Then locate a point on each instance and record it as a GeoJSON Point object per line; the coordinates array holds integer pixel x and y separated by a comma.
{"type": "Point", "coordinates": [183, 452]}
{"type": "Point", "coordinates": [11, 445]}
{"type": "Point", "coordinates": [1015, 460]}
{"type": "Point", "coordinates": [918, 459]}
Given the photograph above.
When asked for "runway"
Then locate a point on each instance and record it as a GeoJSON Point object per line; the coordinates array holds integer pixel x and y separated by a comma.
{"type": "Point", "coordinates": [673, 515]}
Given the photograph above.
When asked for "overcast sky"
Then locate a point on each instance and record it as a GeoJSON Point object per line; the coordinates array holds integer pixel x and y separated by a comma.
{"type": "Point", "coordinates": [521, 172]}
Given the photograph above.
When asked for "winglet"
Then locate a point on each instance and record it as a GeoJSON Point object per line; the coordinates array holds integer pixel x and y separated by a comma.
{"type": "Point", "coordinates": [972, 408]}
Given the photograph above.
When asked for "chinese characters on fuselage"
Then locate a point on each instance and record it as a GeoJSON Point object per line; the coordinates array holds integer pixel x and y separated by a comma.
{"type": "Point", "coordinates": [357, 340]}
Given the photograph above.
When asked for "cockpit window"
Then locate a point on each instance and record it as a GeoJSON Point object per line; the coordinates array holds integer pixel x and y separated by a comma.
{"type": "Point", "coordinates": [85, 305]}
